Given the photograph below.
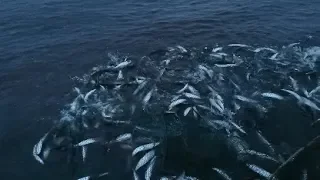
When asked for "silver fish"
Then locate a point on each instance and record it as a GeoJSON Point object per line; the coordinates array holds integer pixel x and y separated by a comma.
{"type": "Point", "coordinates": [315, 90]}
{"type": "Point", "coordinates": [144, 147]}
{"type": "Point", "coordinates": [141, 86]}
{"type": "Point", "coordinates": [149, 170]}
{"type": "Point", "coordinates": [84, 150]}
{"type": "Point", "coordinates": [183, 89]}
{"type": "Point", "coordinates": [40, 143]}
{"type": "Point", "coordinates": [215, 104]}
{"type": "Point", "coordinates": [87, 141]}
{"type": "Point", "coordinates": [79, 92]}
{"type": "Point", "coordinates": [261, 155]}
{"type": "Point", "coordinates": [259, 171]}
{"type": "Point", "coordinates": [272, 95]}
{"type": "Point", "coordinates": [193, 90]}
{"type": "Point", "coordinates": [237, 127]}
{"type": "Point", "coordinates": [135, 175]}
{"type": "Point", "coordinates": [274, 56]}
{"type": "Point", "coordinates": [297, 96]}
{"type": "Point", "coordinates": [222, 173]}
{"type": "Point", "coordinates": [124, 137]}
{"type": "Point", "coordinates": [264, 48]}
{"type": "Point", "coordinates": [103, 174]}
{"type": "Point", "coordinates": [266, 142]}
{"type": "Point", "coordinates": [238, 45]}
{"type": "Point", "coordinates": [35, 155]}
{"type": "Point", "coordinates": [225, 65]}
{"type": "Point", "coordinates": [242, 98]}
{"type": "Point", "coordinates": [309, 103]}
{"type": "Point", "coordinates": [206, 70]}
{"type": "Point", "coordinates": [193, 96]}
{"type": "Point", "coordinates": [145, 159]}
{"type": "Point", "coordinates": [120, 75]}
{"type": "Point", "coordinates": [123, 65]}
{"type": "Point", "coordinates": [182, 49]}
{"type": "Point", "coordinates": [147, 97]}
{"type": "Point", "coordinates": [204, 107]}
{"type": "Point", "coordinates": [89, 94]}
{"type": "Point", "coordinates": [177, 102]}
{"type": "Point", "coordinates": [216, 49]}
{"type": "Point", "coordinates": [222, 123]}
{"type": "Point", "coordinates": [186, 111]}
{"type": "Point", "coordinates": [85, 178]}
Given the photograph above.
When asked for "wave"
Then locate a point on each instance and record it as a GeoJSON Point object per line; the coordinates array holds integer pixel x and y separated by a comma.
{"type": "Point", "coordinates": [216, 100]}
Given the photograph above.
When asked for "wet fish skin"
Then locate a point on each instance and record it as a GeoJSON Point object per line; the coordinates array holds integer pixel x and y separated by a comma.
{"type": "Point", "coordinates": [192, 96]}
{"type": "Point", "coordinates": [264, 48]}
{"type": "Point", "coordinates": [87, 141]}
{"type": "Point", "coordinates": [272, 95]}
{"type": "Point", "coordinates": [84, 178]}
{"type": "Point", "coordinates": [225, 65]}
{"type": "Point", "coordinates": [124, 137]}
{"type": "Point", "coordinates": [175, 103]}
{"type": "Point", "coordinates": [88, 95]}
{"type": "Point", "coordinates": [140, 87]}
{"type": "Point", "coordinates": [150, 168]}
{"type": "Point", "coordinates": [84, 150]}
{"type": "Point", "coordinates": [237, 127]}
{"type": "Point", "coordinates": [147, 97]}
{"type": "Point", "coordinates": [36, 156]}
{"type": "Point", "coordinates": [145, 147]}
{"type": "Point", "coordinates": [260, 171]}
{"type": "Point", "coordinates": [261, 155]}
{"type": "Point", "coordinates": [222, 173]}
{"type": "Point", "coordinates": [40, 143]}
{"type": "Point", "coordinates": [135, 175]}
{"type": "Point", "coordinates": [145, 159]}
{"type": "Point", "coordinates": [123, 65]}
{"type": "Point", "coordinates": [216, 49]}
{"type": "Point", "coordinates": [183, 89]}
{"type": "Point", "coordinates": [182, 49]}
{"type": "Point", "coordinates": [193, 90]}
{"type": "Point", "coordinates": [266, 142]}
{"type": "Point", "coordinates": [186, 111]}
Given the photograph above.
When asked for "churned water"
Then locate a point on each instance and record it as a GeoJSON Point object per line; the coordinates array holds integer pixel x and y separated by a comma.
{"type": "Point", "coordinates": [44, 45]}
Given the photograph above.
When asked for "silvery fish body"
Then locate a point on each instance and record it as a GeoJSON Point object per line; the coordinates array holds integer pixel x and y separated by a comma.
{"type": "Point", "coordinates": [175, 103]}
{"type": "Point", "coordinates": [193, 96]}
{"type": "Point", "coordinates": [87, 141]}
{"type": "Point", "coordinates": [150, 168]}
{"type": "Point", "coordinates": [222, 173]}
{"type": "Point", "coordinates": [186, 111]}
{"type": "Point", "coordinates": [84, 178]}
{"type": "Point", "coordinates": [40, 143]}
{"type": "Point", "coordinates": [183, 89]}
{"type": "Point", "coordinates": [259, 171]}
{"type": "Point", "coordinates": [123, 64]}
{"type": "Point", "coordinates": [145, 159]}
{"type": "Point", "coordinates": [88, 95]}
{"type": "Point", "coordinates": [124, 137]}
{"type": "Point", "coordinates": [272, 95]}
{"type": "Point", "coordinates": [144, 147]}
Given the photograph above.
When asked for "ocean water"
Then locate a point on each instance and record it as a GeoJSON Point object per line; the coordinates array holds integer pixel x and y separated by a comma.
{"type": "Point", "coordinates": [43, 44]}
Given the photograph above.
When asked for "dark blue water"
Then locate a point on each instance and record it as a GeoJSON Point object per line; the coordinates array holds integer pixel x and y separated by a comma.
{"type": "Point", "coordinates": [44, 43]}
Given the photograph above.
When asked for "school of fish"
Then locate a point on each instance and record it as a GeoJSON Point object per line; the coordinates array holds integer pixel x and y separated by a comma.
{"type": "Point", "coordinates": [142, 97]}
